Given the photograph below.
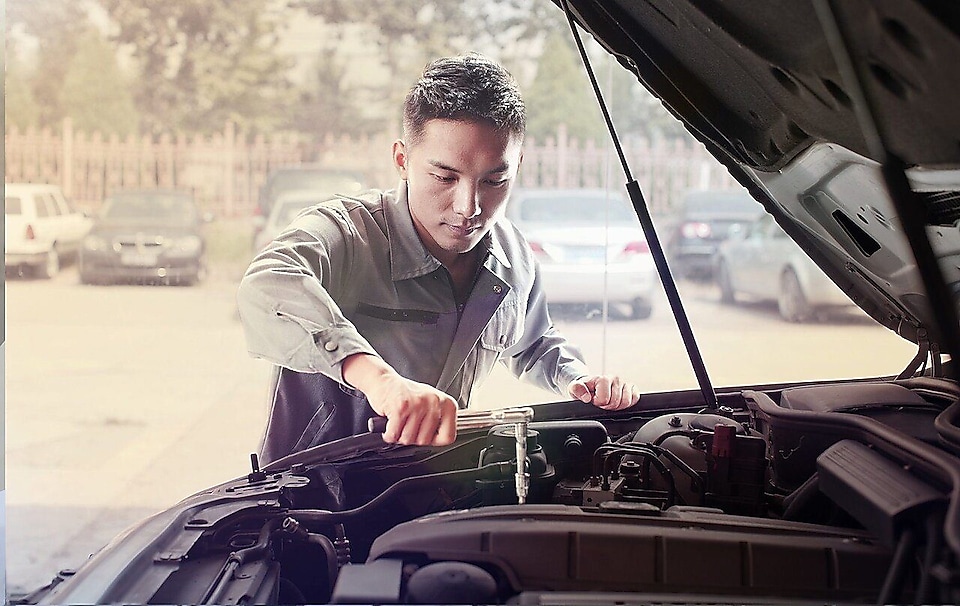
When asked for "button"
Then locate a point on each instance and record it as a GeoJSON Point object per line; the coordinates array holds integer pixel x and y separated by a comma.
{"type": "Point", "coordinates": [497, 288]}
{"type": "Point", "coordinates": [330, 345]}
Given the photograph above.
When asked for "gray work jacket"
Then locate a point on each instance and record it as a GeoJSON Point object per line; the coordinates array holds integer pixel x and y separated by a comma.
{"type": "Point", "coordinates": [351, 276]}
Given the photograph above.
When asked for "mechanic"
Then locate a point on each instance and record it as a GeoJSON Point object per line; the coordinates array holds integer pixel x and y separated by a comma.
{"type": "Point", "coordinates": [397, 303]}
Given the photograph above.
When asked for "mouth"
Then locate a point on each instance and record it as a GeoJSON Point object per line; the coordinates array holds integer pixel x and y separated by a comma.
{"type": "Point", "coordinates": [461, 230]}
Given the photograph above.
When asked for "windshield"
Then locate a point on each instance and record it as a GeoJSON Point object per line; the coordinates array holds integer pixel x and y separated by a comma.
{"type": "Point", "coordinates": [721, 202]}
{"type": "Point", "coordinates": [172, 208]}
{"type": "Point", "coordinates": [560, 208]}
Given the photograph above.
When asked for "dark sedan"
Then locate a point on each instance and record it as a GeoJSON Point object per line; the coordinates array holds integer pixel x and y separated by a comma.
{"type": "Point", "coordinates": [151, 236]}
{"type": "Point", "coordinates": [705, 219]}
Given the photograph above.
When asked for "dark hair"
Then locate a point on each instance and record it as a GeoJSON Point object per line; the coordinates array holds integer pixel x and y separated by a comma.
{"type": "Point", "coordinates": [467, 87]}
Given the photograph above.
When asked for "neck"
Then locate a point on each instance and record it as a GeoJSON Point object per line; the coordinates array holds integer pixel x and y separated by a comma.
{"type": "Point", "coordinates": [463, 273]}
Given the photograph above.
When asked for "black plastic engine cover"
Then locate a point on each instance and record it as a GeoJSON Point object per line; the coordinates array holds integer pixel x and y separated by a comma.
{"type": "Point", "coordinates": [563, 548]}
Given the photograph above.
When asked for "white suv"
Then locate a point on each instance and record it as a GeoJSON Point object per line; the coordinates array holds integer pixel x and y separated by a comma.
{"type": "Point", "coordinates": [42, 229]}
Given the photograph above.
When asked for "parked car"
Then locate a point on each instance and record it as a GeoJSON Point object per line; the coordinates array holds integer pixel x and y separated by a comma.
{"type": "Point", "coordinates": [323, 180]}
{"type": "Point", "coordinates": [590, 247]}
{"type": "Point", "coordinates": [153, 236]}
{"type": "Point", "coordinates": [42, 230]}
{"type": "Point", "coordinates": [814, 491]}
{"type": "Point", "coordinates": [763, 263]}
{"type": "Point", "coordinates": [704, 219]}
{"type": "Point", "coordinates": [286, 207]}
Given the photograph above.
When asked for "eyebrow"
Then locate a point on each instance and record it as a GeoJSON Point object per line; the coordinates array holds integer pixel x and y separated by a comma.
{"type": "Point", "coordinates": [437, 163]}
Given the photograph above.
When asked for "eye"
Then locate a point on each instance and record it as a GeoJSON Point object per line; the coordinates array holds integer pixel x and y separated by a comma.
{"type": "Point", "coordinates": [442, 178]}
{"type": "Point", "coordinates": [496, 182]}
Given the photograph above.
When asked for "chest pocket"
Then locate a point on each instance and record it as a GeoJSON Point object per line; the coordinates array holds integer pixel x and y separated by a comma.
{"type": "Point", "coordinates": [504, 329]}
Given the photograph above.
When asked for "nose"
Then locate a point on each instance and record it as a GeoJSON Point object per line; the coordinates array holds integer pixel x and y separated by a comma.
{"type": "Point", "coordinates": [467, 201]}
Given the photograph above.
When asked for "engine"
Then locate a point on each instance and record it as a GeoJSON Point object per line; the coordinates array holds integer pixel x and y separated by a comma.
{"type": "Point", "coordinates": [823, 494]}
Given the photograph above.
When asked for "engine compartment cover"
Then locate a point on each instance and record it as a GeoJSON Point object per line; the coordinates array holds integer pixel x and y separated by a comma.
{"type": "Point", "coordinates": [566, 548]}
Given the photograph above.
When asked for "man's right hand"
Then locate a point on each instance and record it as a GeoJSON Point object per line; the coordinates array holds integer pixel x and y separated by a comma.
{"type": "Point", "coordinates": [416, 413]}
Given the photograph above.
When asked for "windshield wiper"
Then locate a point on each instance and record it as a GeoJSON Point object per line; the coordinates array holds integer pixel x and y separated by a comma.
{"type": "Point", "coordinates": [646, 222]}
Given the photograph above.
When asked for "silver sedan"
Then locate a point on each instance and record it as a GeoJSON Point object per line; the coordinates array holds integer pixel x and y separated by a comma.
{"type": "Point", "coordinates": [762, 263]}
{"type": "Point", "coordinates": [590, 247]}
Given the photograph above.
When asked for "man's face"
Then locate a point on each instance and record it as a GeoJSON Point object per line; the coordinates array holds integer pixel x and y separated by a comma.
{"type": "Point", "coordinates": [459, 176]}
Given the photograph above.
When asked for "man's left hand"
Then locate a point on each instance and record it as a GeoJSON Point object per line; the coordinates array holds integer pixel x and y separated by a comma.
{"type": "Point", "coordinates": [604, 391]}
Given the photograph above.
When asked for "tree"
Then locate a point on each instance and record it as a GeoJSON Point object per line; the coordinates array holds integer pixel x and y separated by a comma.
{"type": "Point", "coordinates": [203, 62]}
{"type": "Point", "coordinates": [561, 94]}
{"type": "Point", "coordinates": [95, 93]}
{"type": "Point", "coordinates": [19, 103]}
{"type": "Point", "coordinates": [328, 104]}
{"type": "Point", "coordinates": [408, 34]}
{"type": "Point", "coordinates": [56, 25]}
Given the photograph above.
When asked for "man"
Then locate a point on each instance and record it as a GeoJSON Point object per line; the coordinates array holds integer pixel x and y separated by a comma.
{"type": "Point", "coordinates": [398, 303]}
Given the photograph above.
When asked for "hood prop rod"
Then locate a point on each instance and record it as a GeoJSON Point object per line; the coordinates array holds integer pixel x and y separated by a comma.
{"type": "Point", "coordinates": [646, 222]}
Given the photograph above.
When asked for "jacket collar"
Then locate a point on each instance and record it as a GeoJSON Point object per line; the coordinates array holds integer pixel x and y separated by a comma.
{"type": "Point", "coordinates": [409, 258]}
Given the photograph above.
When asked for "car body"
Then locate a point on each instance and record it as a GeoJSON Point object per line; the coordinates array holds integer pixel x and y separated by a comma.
{"type": "Point", "coordinates": [287, 206]}
{"type": "Point", "coordinates": [153, 236]}
{"type": "Point", "coordinates": [589, 246]}
{"type": "Point", "coordinates": [323, 180]}
{"type": "Point", "coordinates": [762, 263]}
{"type": "Point", "coordinates": [704, 219]}
{"type": "Point", "coordinates": [839, 119]}
{"type": "Point", "coordinates": [42, 230]}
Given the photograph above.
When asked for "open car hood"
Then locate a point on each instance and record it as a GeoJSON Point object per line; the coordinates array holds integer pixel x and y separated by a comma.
{"type": "Point", "coordinates": [760, 85]}
{"type": "Point", "coordinates": [841, 492]}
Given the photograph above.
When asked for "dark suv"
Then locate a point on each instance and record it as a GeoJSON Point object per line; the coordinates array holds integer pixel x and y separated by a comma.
{"type": "Point", "coordinates": [704, 220]}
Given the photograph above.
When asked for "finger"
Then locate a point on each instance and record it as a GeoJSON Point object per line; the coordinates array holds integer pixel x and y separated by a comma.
{"type": "Point", "coordinates": [411, 426]}
{"type": "Point", "coordinates": [392, 432]}
{"type": "Point", "coordinates": [447, 431]}
{"type": "Point", "coordinates": [430, 424]}
{"type": "Point", "coordinates": [601, 395]}
{"type": "Point", "coordinates": [617, 399]}
{"type": "Point", "coordinates": [580, 391]}
{"type": "Point", "coordinates": [631, 395]}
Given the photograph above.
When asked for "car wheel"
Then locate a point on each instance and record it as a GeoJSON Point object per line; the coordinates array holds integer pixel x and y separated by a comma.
{"type": "Point", "coordinates": [51, 265]}
{"type": "Point", "coordinates": [727, 294]}
{"type": "Point", "coordinates": [792, 303]}
{"type": "Point", "coordinates": [642, 309]}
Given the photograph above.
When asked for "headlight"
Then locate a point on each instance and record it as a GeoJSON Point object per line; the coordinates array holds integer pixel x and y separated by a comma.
{"type": "Point", "coordinates": [95, 243]}
{"type": "Point", "coordinates": [188, 245]}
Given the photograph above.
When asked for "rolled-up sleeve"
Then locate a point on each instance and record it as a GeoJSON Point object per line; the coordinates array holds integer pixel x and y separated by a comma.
{"type": "Point", "coordinates": [286, 298]}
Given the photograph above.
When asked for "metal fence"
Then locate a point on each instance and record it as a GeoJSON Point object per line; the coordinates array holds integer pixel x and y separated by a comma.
{"type": "Point", "coordinates": [226, 170]}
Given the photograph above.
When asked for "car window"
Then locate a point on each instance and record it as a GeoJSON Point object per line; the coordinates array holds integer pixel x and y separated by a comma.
{"type": "Point", "coordinates": [54, 206]}
{"type": "Point", "coordinates": [725, 202]}
{"type": "Point", "coordinates": [561, 209]}
{"type": "Point", "coordinates": [150, 206]}
{"type": "Point", "coordinates": [13, 205]}
{"type": "Point", "coordinates": [41, 205]}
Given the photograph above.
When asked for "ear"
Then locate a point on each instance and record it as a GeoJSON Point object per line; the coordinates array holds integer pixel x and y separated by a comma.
{"type": "Point", "coordinates": [400, 158]}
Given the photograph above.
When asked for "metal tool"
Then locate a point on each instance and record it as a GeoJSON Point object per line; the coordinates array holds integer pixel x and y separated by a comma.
{"type": "Point", "coordinates": [480, 419]}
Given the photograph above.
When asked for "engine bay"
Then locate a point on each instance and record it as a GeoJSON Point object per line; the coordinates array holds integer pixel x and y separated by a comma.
{"type": "Point", "coordinates": [843, 492]}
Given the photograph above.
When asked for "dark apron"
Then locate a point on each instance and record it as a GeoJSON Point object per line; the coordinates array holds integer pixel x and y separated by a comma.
{"type": "Point", "coordinates": [310, 409]}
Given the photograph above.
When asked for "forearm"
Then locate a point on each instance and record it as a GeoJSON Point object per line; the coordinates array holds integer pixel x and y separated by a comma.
{"type": "Point", "coordinates": [365, 373]}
